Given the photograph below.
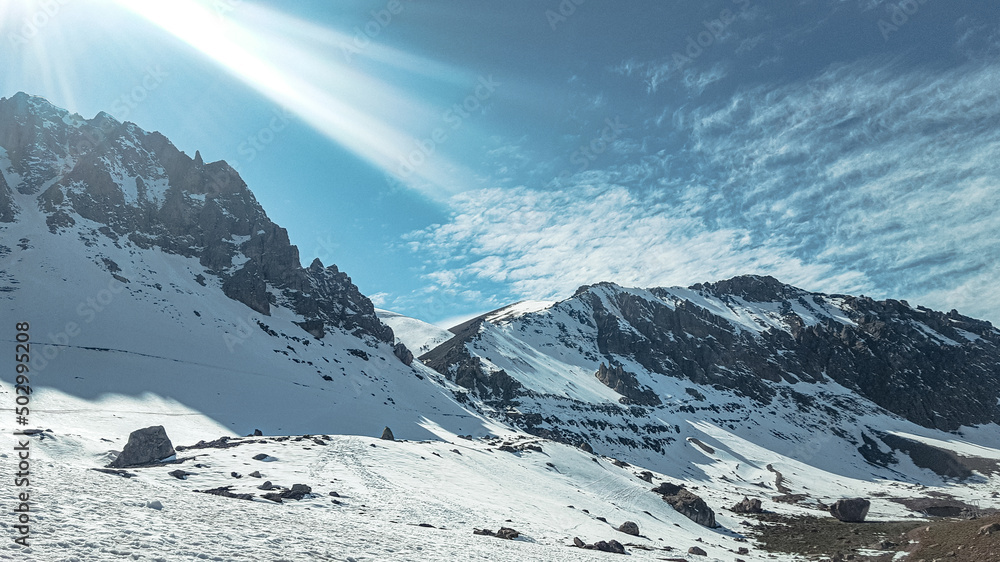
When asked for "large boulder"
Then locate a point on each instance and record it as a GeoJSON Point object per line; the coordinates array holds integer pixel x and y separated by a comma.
{"type": "Point", "coordinates": [629, 528]}
{"type": "Point", "coordinates": [851, 510]}
{"type": "Point", "coordinates": [145, 446]}
{"type": "Point", "coordinates": [687, 504]}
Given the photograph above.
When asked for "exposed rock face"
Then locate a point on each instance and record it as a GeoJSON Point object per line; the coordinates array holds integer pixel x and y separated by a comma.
{"type": "Point", "coordinates": [687, 504]}
{"type": "Point", "coordinates": [453, 360]}
{"type": "Point", "coordinates": [145, 446]}
{"type": "Point", "coordinates": [625, 383]}
{"type": "Point", "coordinates": [403, 354]}
{"type": "Point", "coordinates": [148, 193]}
{"type": "Point", "coordinates": [850, 510]}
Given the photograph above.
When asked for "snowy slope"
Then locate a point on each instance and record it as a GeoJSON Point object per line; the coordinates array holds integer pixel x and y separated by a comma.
{"type": "Point", "coordinates": [419, 336]}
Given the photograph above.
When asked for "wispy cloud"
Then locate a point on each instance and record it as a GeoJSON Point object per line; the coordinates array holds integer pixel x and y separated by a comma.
{"type": "Point", "coordinates": [864, 178]}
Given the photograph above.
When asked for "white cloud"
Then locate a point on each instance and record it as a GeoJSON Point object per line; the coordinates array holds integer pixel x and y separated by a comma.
{"type": "Point", "coordinates": [863, 179]}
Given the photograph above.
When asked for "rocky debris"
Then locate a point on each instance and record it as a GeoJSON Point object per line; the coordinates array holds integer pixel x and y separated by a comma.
{"type": "Point", "coordinates": [502, 533]}
{"type": "Point", "coordinates": [180, 474]}
{"type": "Point", "coordinates": [225, 492]}
{"type": "Point", "coordinates": [155, 504]}
{"type": "Point", "coordinates": [223, 442]}
{"type": "Point", "coordinates": [988, 529]}
{"type": "Point", "coordinates": [235, 474]}
{"type": "Point", "coordinates": [625, 383]}
{"type": "Point", "coordinates": [697, 551]}
{"type": "Point", "coordinates": [748, 505]}
{"type": "Point", "coordinates": [257, 433]}
{"type": "Point", "coordinates": [266, 485]}
{"type": "Point", "coordinates": [260, 456]}
{"type": "Point", "coordinates": [629, 528]}
{"type": "Point", "coordinates": [646, 475]}
{"type": "Point", "coordinates": [255, 474]}
{"type": "Point", "coordinates": [851, 510]}
{"type": "Point", "coordinates": [145, 446]}
{"type": "Point", "coordinates": [403, 354]}
{"type": "Point", "coordinates": [687, 503]}
{"type": "Point", "coordinates": [585, 447]}
{"type": "Point", "coordinates": [116, 472]}
{"type": "Point", "coordinates": [612, 546]}
{"type": "Point", "coordinates": [387, 434]}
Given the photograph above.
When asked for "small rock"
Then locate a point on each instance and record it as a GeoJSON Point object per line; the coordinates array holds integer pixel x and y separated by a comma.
{"type": "Point", "coordinates": [255, 474]}
{"type": "Point", "coordinates": [334, 494]}
{"type": "Point", "coordinates": [647, 476]}
{"type": "Point", "coordinates": [697, 551]}
{"type": "Point", "coordinates": [629, 528]}
{"type": "Point", "coordinates": [742, 550]}
{"type": "Point", "coordinates": [180, 474]}
{"type": "Point", "coordinates": [266, 485]}
{"type": "Point", "coordinates": [257, 433]}
{"type": "Point", "coordinates": [387, 434]}
{"type": "Point", "coordinates": [236, 475]}
{"type": "Point", "coordinates": [260, 456]}
{"type": "Point", "coordinates": [578, 543]}
{"type": "Point", "coordinates": [155, 504]}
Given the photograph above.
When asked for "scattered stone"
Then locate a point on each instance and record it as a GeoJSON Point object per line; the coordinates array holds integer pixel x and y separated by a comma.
{"type": "Point", "coordinates": [297, 492]}
{"type": "Point", "coordinates": [257, 433]}
{"type": "Point", "coordinates": [116, 472]}
{"type": "Point", "coordinates": [426, 525]}
{"type": "Point", "coordinates": [224, 491]}
{"type": "Point", "coordinates": [629, 528]}
{"type": "Point", "coordinates": [647, 476]}
{"type": "Point", "coordinates": [260, 456]}
{"type": "Point", "coordinates": [578, 543]}
{"type": "Point", "coordinates": [266, 485]}
{"type": "Point", "coordinates": [851, 510]}
{"type": "Point", "coordinates": [503, 533]}
{"type": "Point", "coordinates": [236, 475]}
{"type": "Point", "coordinates": [145, 446]}
{"type": "Point", "coordinates": [585, 447]}
{"type": "Point", "coordinates": [255, 474]}
{"type": "Point", "coordinates": [602, 520]}
{"type": "Point", "coordinates": [697, 551]}
{"type": "Point", "coordinates": [155, 504]}
{"type": "Point", "coordinates": [989, 529]}
{"type": "Point", "coordinates": [334, 494]}
{"type": "Point", "coordinates": [742, 550]}
{"type": "Point", "coordinates": [387, 434]}
{"type": "Point", "coordinates": [748, 506]}
{"type": "Point", "coordinates": [180, 474]}
{"type": "Point", "coordinates": [403, 354]}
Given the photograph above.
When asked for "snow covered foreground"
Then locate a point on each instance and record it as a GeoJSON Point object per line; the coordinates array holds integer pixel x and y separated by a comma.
{"type": "Point", "coordinates": [386, 490]}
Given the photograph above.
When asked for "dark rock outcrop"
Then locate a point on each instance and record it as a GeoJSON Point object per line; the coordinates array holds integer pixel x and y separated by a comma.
{"type": "Point", "coordinates": [850, 510]}
{"type": "Point", "coordinates": [387, 434]}
{"type": "Point", "coordinates": [748, 505]}
{"type": "Point", "coordinates": [625, 383]}
{"type": "Point", "coordinates": [145, 446]}
{"type": "Point", "coordinates": [687, 504]}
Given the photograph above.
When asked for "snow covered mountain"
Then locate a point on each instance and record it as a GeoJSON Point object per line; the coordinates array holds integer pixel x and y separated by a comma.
{"type": "Point", "coordinates": [145, 272]}
{"type": "Point", "coordinates": [845, 384]}
{"type": "Point", "coordinates": [158, 292]}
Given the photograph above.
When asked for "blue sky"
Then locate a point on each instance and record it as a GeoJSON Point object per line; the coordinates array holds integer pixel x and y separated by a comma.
{"type": "Point", "coordinates": [453, 157]}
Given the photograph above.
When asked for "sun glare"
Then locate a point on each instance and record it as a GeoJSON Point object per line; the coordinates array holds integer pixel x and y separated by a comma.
{"type": "Point", "coordinates": [282, 58]}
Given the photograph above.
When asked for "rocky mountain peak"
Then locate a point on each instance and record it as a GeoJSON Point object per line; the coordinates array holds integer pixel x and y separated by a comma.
{"type": "Point", "coordinates": [147, 193]}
